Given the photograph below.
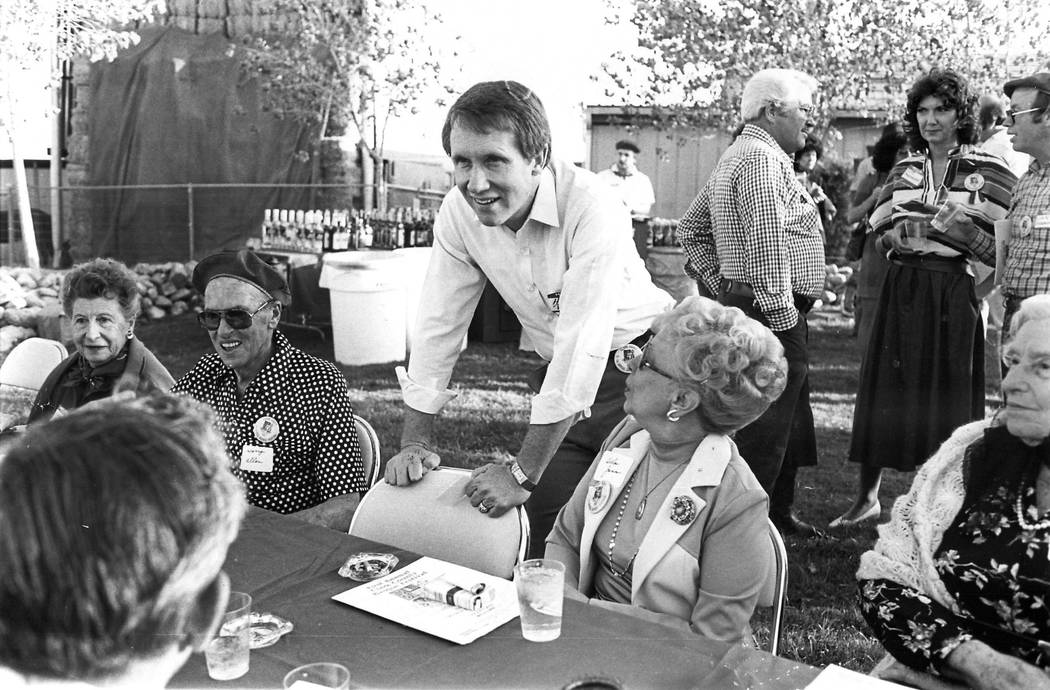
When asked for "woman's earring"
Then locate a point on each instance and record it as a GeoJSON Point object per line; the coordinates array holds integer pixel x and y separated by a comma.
{"type": "Point", "coordinates": [672, 415]}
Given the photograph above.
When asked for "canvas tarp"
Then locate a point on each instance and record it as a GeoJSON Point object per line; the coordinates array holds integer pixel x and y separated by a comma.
{"type": "Point", "coordinates": [175, 108]}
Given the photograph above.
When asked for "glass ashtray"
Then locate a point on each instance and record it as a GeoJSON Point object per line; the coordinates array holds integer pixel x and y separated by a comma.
{"type": "Point", "coordinates": [266, 629]}
{"type": "Point", "coordinates": [364, 567]}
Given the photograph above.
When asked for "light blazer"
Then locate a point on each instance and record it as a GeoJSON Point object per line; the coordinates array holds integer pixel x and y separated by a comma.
{"type": "Point", "coordinates": [707, 574]}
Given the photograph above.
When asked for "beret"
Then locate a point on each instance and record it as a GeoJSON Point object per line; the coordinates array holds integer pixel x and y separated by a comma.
{"type": "Point", "coordinates": [242, 264]}
{"type": "Point", "coordinates": [1039, 80]}
{"type": "Point", "coordinates": [627, 145]}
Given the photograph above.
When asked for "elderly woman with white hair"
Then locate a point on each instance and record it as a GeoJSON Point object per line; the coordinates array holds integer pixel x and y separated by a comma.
{"type": "Point", "coordinates": [115, 522]}
{"type": "Point", "coordinates": [957, 585]}
{"type": "Point", "coordinates": [669, 523]}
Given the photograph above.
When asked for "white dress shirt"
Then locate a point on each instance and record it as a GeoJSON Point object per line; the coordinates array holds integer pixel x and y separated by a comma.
{"type": "Point", "coordinates": [636, 189]}
{"type": "Point", "coordinates": [570, 274]}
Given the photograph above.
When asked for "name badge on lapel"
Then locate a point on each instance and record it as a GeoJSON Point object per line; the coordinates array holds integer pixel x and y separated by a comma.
{"type": "Point", "coordinates": [612, 468]}
{"type": "Point", "coordinates": [257, 459]}
{"type": "Point", "coordinates": [598, 495]}
{"type": "Point", "coordinates": [912, 176]}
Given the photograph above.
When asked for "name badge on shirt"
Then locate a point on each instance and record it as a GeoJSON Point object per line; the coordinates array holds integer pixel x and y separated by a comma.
{"type": "Point", "coordinates": [257, 459]}
{"type": "Point", "coordinates": [912, 176]}
{"type": "Point", "coordinates": [1042, 221]}
{"type": "Point", "coordinates": [612, 468]}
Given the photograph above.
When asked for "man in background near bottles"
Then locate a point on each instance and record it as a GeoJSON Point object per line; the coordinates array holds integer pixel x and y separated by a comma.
{"type": "Point", "coordinates": [1027, 268]}
{"type": "Point", "coordinates": [752, 236]}
{"type": "Point", "coordinates": [553, 240]}
{"type": "Point", "coordinates": [634, 188]}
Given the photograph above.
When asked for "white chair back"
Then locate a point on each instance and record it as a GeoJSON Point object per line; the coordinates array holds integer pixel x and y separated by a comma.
{"type": "Point", "coordinates": [29, 363]}
{"type": "Point", "coordinates": [433, 517]}
{"type": "Point", "coordinates": [369, 442]}
{"type": "Point", "coordinates": [774, 594]}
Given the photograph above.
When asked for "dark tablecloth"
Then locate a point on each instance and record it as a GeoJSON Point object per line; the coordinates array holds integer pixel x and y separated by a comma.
{"type": "Point", "coordinates": [289, 567]}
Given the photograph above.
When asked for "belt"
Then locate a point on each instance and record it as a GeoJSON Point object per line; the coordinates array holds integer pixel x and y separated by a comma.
{"type": "Point", "coordinates": [930, 262]}
{"type": "Point", "coordinates": [1012, 302]}
{"type": "Point", "coordinates": [739, 289]}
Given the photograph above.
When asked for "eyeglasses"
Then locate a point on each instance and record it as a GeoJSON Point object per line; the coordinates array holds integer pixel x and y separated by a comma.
{"type": "Point", "coordinates": [1040, 367]}
{"type": "Point", "coordinates": [1011, 114]}
{"type": "Point", "coordinates": [235, 318]}
{"type": "Point", "coordinates": [625, 359]}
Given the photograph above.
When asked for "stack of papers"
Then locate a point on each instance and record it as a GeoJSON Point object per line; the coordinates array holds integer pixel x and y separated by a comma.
{"type": "Point", "coordinates": [399, 597]}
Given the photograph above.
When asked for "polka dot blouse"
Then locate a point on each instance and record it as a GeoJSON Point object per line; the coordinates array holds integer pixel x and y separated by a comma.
{"type": "Point", "coordinates": [297, 405]}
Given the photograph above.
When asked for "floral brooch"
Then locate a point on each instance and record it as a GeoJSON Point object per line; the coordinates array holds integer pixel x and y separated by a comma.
{"type": "Point", "coordinates": [683, 510]}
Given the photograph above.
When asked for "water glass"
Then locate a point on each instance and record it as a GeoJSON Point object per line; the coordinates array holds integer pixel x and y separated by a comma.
{"type": "Point", "coordinates": [319, 676]}
{"type": "Point", "coordinates": [915, 229]}
{"type": "Point", "coordinates": [946, 216]}
{"type": "Point", "coordinates": [227, 652]}
{"type": "Point", "coordinates": [540, 584]}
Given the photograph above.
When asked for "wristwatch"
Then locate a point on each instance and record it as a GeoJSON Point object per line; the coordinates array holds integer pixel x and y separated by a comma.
{"type": "Point", "coordinates": [521, 478]}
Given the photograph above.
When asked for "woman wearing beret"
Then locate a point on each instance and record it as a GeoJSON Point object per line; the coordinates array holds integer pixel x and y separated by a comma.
{"type": "Point", "coordinates": [669, 523]}
{"type": "Point", "coordinates": [101, 299]}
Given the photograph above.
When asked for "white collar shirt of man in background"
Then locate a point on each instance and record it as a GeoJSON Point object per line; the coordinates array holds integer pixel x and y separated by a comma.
{"type": "Point", "coordinates": [635, 189]}
{"type": "Point", "coordinates": [570, 274]}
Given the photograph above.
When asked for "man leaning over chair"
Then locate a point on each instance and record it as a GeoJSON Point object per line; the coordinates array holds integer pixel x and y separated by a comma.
{"type": "Point", "coordinates": [285, 415]}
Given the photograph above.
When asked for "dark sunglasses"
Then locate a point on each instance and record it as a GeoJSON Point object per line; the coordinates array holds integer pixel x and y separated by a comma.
{"type": "Point", "coordinates": [235, 318]}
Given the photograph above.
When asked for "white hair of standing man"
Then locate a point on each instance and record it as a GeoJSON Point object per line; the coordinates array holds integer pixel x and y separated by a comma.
{"type": "Point", "coordinates": [774, 85]}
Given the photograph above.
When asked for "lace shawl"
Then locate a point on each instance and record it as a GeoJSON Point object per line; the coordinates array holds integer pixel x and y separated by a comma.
{"type": "Point", "coordinates": [906, 545]}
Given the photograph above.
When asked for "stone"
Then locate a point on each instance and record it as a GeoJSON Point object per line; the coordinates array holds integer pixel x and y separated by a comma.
{"type": "Point", "coordinates": [47, 292]}
{"type": "Point", "coordinates": [52, 322]}
{"type": "Point", "coordinates": [33, 299]}
{"type": "Point", "coordinates": [161, 301]}
{"type": "Point", "coordinates": [26, 280]}
{"type": "Point", "coordinates": [179, 308]}
{"type": "Point", "coordinates": [11, 335]}
{"type": "Point", "coordinates": [155, 313]}
{"type": "Point", "coordinates": [182, 294]}
{"type": "Point", "coordinates": [25, 317]}
{"type": "Point", "coordinates": [15, 302]}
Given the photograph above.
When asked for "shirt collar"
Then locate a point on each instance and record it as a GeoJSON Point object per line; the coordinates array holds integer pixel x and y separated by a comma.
{"type": "Point", "coordinates": [545, 205]}
{"type": "Point", "coordinates": [756, 132]}
{"type": "Point", "coordinates": [274, 365]}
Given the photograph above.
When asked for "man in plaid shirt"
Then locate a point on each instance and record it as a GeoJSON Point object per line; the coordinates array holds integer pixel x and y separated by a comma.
{"type": "Point", "coordinates": [1027, 269]}
{"type": "Point", "coordinates": [752, 237]}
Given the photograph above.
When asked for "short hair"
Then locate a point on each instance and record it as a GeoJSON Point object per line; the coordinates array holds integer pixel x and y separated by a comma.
{"type": "Point", "coordinates": [739, 361]}
{"type": "Point", "coordinates": [114, 520]}
{"type": "Point", "coordinates": [504, 106]}
{"type": "Point", "coordinates": [106, 278]}
{"type": "Point", "coordinates": [773, 86]}
{"type": "Point", "coordinates": [992, 112]}
{"type": "Point", "coordinates": [951, 88]}
{"type": "Point", "coordinates": [627, 145]}
{"type": "Point", "coordinates": [884, 152]}
{"type": "Point", "coordinates": [812, 144]}
{"type": "Point", "coordinates": [1036, 308]}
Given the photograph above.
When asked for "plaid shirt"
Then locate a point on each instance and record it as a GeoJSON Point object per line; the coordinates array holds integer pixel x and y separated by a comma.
{"type": "Point", "coordinates": [753, 222]}
{"type": "Point", "coordinates": [1027, 270]}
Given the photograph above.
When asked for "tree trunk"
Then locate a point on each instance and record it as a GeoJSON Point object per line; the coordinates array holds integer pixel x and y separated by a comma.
{"type": "Point", "coordinates": [367, 177]}
{"type": "Point", "coordinates": [25, 213]}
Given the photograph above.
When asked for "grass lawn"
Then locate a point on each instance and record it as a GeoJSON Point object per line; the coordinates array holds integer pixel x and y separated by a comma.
{"type": "Point", "coordinates": [823, 625]}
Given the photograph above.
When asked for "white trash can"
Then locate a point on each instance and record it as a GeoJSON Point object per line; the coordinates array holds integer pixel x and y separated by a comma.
{"type": "Point", "coordinates": [368, 306]}
{"type": "Point", "coordinates": [416, 261]}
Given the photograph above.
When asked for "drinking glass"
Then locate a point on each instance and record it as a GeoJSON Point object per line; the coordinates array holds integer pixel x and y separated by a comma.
{"type": "Point", "coordinates": [227, 652]}
{"type": "Point", "coordinates": [540, 583]}
{"type": "Point", "coordinates": [915, 229]}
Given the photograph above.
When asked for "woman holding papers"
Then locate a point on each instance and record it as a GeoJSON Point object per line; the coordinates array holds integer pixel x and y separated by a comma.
{"type": "Point", "coordinates": [669, 523]}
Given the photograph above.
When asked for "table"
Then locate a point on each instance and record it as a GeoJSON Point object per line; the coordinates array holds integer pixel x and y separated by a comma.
{"type": "Point", "coordinates": [289, 567]}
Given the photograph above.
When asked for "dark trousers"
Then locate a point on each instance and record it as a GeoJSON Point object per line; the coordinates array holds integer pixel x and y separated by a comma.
{"type": "Point", "coordinates": [574, 455]}
{"type": "Point", "coordinates": [780, 441]}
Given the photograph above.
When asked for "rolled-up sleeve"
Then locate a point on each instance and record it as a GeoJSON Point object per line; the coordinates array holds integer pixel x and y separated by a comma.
{"type": "Point", "coordinates": [451, 290]}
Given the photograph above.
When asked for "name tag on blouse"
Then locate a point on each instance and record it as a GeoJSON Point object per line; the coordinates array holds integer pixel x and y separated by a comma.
{"type": "Point", "coordinates": [1042, 221]}
{"type": "Point", "coordinates": [912, 176]}
{"type": "Point", "coordinates": [257, 459]}
{"type": "Point", "coordinates": [612, 468]}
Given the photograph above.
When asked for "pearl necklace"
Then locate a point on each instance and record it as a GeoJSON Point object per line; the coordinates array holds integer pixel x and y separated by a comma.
{"type": "Point", "coordinates": [1024, 524]}
{"type": "Point", "coordinates": [616, 530]}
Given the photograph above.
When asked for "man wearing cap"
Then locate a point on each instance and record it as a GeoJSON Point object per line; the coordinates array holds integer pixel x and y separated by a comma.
{"type": "Point", "coordinates": [631, 185]}
{"type": "Point", "coordinates": [1027, 266]}
{"type": "Point", "coordinates": [286, 415]}
{"type": "Point", "coordinates": [554, 242]}
{"type": "Point", "coordinates": [752, 236]}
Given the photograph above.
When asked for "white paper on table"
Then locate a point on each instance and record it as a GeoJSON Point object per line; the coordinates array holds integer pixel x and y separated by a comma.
{"type": "Point", "coordinates": [386, 597]}
{"type": "Point", "coordinates": [1002, 247]}
{"type": "Point", "coordinates": [838, 678]}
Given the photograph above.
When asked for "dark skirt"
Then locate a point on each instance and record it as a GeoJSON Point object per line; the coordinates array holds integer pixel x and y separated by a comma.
{"type": "Point", "coordinates": [923, 370]}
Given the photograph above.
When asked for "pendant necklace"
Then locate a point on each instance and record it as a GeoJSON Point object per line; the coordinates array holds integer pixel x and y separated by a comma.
{"type": "Point", "coordinates": [641, 506]}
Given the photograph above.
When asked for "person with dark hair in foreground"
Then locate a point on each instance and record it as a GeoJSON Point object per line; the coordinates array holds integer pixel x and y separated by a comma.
{"type": "Point", "coordinates": [555, 243]}
{"type": "Point", "coordinates": [115, 521]}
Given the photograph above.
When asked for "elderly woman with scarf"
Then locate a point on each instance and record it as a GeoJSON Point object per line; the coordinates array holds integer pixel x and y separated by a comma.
{"type": "Point", "coordinates": [958, 582]}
